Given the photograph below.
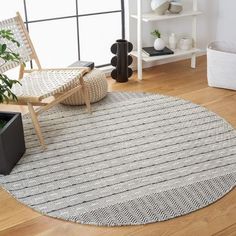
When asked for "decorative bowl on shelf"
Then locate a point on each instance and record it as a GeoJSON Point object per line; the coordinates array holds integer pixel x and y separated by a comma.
{"type": "Point", "coordinates": [175, 7]}
{"type": "Point", "coordinates": [160, 6]}
{"type": "Point", "coordinates": [186, 43]}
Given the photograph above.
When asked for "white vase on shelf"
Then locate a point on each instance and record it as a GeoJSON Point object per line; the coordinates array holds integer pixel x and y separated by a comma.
{"type": "Point", "coordinates": [173, 41]}
{"type": "Point", "coordinates": [159, 44]}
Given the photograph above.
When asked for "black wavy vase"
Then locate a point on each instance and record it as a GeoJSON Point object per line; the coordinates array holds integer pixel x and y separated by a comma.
{"type": "Point", "coordinates": [121, 60]}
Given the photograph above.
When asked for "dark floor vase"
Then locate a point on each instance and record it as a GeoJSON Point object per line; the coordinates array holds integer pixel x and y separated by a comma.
{"type": "Point", "coordinates": [121, 61]}
{"type": "Point", "coordinates": [12, 143]}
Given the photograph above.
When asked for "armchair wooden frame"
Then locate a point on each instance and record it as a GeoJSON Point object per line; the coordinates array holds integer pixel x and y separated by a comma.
{"type": "Point", "coordinates": [64, 91]}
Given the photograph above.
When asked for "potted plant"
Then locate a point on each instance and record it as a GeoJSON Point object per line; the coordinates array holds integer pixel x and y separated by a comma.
{"type": "Point", "coordinates": [159, 43]}
{"type": "Point", "coordinates": [12, 144]}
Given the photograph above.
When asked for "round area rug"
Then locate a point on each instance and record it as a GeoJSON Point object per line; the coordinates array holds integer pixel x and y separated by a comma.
{"type": "Point", "coordinates": [138, 158]}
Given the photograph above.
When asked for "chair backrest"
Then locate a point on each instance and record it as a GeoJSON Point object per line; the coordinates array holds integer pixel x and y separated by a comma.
{"type": "Point", "coordinates": [26, 49]}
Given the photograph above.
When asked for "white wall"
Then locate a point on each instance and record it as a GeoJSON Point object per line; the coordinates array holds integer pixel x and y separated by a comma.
{"type": "Point", "coordinates": [226, 20]}
{"type": "Point", "coordinates": [207, 23]}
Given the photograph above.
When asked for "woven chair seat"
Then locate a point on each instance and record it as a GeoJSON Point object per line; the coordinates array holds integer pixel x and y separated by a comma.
{"type": "Point", "coordinates": [46, 83]}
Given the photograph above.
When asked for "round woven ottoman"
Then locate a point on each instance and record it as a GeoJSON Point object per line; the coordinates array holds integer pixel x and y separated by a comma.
{"type": "Point", "coordinates": [97, 88]}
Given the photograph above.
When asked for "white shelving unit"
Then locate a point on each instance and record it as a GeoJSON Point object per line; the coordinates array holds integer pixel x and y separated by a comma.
{"type": "Point", "coordinates": [150, 17]}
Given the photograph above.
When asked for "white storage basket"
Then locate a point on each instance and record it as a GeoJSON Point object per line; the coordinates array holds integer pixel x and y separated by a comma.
{"type": "Point", "coordinates": [221, 65]}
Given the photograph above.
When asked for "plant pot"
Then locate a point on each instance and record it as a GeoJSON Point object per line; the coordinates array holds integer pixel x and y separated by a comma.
{"type": "Point", "coordinates": [159, 44]}
{"type": "Point", "coordinates": [12, 143]}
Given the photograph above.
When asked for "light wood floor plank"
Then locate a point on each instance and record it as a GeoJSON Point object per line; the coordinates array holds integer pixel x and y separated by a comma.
{"type": "Point", "coordinates": [230, 231]}
{"type": "Point", "coordinates": [13, 213]}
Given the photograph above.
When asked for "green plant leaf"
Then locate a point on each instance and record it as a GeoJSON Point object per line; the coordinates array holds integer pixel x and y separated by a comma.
{"type": "Point", "coordinates": [156, 34]}
{"type": "Point", "coordinates": [7, 54]}
{"type": "Point", "coordinates": [2, 123]}
{"type": "Point", "coordinates": [4, 47]}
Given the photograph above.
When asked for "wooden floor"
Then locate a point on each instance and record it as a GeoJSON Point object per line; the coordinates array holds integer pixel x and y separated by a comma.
{"type": "Point", "coordinates": [219, 219]}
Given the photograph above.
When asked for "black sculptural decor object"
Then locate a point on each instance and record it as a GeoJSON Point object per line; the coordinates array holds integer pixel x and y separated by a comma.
{"type": "Point", "coordinates": [122, 60]}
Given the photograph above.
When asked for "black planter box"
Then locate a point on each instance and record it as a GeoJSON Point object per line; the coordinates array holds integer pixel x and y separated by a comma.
{"type": "Point", "coordinates": [12, 143]}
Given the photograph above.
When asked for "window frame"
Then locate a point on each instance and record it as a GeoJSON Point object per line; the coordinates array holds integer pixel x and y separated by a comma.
{"type": "Point", "coordinates": [77, 16]}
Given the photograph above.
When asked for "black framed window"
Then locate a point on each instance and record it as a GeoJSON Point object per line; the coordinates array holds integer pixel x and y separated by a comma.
{"type": "Point", "coordinates": [69, 30]}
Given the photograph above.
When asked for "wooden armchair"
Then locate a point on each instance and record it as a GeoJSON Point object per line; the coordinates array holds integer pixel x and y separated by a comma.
{"type": "Point", "coordinates": [39, 84]}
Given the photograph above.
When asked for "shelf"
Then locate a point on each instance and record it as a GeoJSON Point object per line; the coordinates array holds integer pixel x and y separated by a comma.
{"type": "Point", "coordinates": [152, 17]}
{"type": "Point", "coordinates": [147, 17]}
{"type": "Point", "coordinates": [177, 53]}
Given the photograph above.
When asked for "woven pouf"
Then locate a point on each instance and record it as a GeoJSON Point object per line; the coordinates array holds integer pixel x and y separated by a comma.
{"type": "Point", "coordinates": [97, 87]}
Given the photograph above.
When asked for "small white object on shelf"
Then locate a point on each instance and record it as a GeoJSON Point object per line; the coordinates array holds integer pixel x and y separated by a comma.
{"type": "Point", "coordinates": [160, 6]}
{"type": "Point", "coordinates": [186, 43]}
{"type": "Point", "coordinates": [175, 7]}
{"type": "Point", "coordinates": [159, 44]}
{"type": "Point", "coordinates": [154, 17]}
{"type": "Point", "coordinates": [173, 41]}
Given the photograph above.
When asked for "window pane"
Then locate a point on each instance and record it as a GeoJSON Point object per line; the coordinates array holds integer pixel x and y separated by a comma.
{"type": "Point", "coordinates": [55, 42]}
{"type": "Point", "coordinates": [9, 8]}
{"type": "Point", "coordinates": [96, 40]}
{"type": "Point", "coordinates": [93, 6]}
{"type": "Point", "coordinates": [41, 9]}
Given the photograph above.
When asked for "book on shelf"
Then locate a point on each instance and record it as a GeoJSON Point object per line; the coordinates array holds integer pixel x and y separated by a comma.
{"type": "Point", "coordinates": [151, 51]}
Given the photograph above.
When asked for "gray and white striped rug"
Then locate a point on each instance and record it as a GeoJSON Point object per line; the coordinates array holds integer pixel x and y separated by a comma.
{"type": "Point", "coordinates": [137, 159]}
